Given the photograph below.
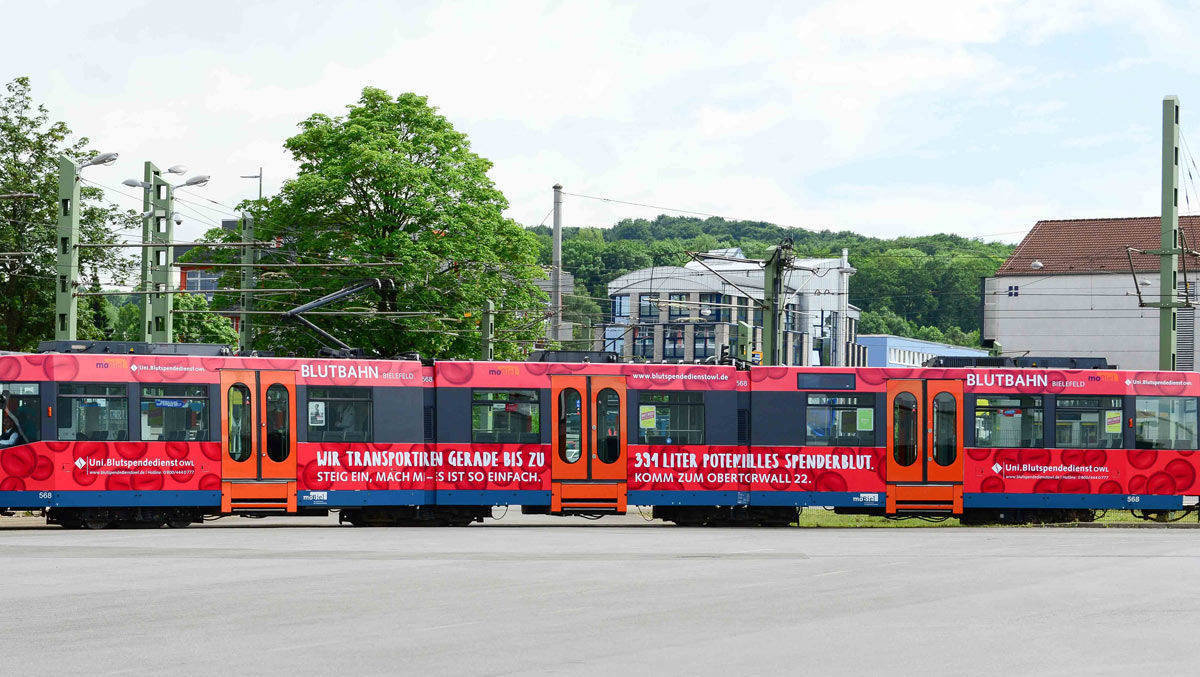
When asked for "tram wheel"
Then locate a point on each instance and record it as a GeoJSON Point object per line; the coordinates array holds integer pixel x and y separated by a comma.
{"type": "Point", "coordinates": [96, 522]}
{"type": "Point", "coordinates": [178, 524]}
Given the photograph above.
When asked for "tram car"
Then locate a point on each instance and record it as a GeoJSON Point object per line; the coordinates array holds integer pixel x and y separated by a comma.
{"type": "Point", "coordinates": [99, 439]}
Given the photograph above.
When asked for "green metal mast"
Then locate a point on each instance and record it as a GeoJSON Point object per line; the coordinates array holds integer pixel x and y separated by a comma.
{"type": "Point", "coordinates": [778, 260]}
{"type": "Point", "coordinates": [488, 327]}
{"type": "Point", "coordinates": [158, 228]}
{"type": "Point", "coordinates": [248, 255]}
{"type": "Point", "coordinates": [66, 304]}
{"type": "Point", "coordinates": [1169, 255]}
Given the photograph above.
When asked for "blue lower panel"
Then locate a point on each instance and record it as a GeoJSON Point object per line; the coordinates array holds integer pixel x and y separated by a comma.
{"type": "Point", "coordinates": [336, 499]}
{"type": "Point", "coordinates": [519, 497]}
{"type": "Point", "coordinates": [838, 499]}
{"type": "Point", "coordinates": [1085, 501]}
{"type": "Point", "coordinates": [107, 499]}
{"type": "Point", "coordinates": [759, 498]}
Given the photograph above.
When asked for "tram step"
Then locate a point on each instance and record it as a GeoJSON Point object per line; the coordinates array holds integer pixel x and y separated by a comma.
{"type": "Point", "coordinates": [257, 496]}
{"type": "Point", "coordinates": [568, 496]}
{"type": "Point", "coordinates": [924, 498]}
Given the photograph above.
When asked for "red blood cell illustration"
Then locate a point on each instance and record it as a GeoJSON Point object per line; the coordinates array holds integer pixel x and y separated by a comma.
{"type": "Point", "coordinates": [18, 462]}
{"type": "Point", "coordinates": [131, 450]}
{"type": "Point", "coordinates": [1039, 456]}
{"type": "Point", "coordinates": [61, 368]}
{"type": "Point", "coordinates": [455, 372]}
{"type": "Point", "coordinates": [182, 474]}
{"type": "Point", "coordinates": [1045, 486]}
{"type": "Point", "coordinates": [10, 368]}
{"type": "Point", "coordinates": [1137, 484]}
{"type": "Point", "coordinates": [1142, 458]}
{"type": "Point", "coordinates": [211, 450]}
{"type": "Point", "coordinates": [1095, 457]}
{"type": "Point", "coordinates": [147, 482]}
{"type": "Point", "coordinates": [830, 481]}
{"type": "Point", "coordinates": [118, 483]}
{"type": "Point", "coordinates": [58, 447]}
{"type": "Point", "coordinates": [177, 450]}
{"type": "Point", "coordinates": [308, 476]}
{"type": "Point", "coordinates": [210, 482]}
{"type": "Point", "coordinates": [992, 485]}
{"type": "Point", "coordinates": [978, 454]}
{"type": "Point", "coordinates": [12, 484]}
{"type": "Point", "coordinates": [43, 469]}
{"type": "Point", "coordinates": [1110, 487]}
{"type": "Point", "coordinates": [1074, 486]}
{"type": "Point", "coordinates": [1160, 483]}
{"type": "Point", "coordinates": [1072, 456]}
{"type": "Point", "coordinates": [1183, 472]}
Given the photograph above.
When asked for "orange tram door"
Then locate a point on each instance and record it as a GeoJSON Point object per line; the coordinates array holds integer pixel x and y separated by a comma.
{"type": "Point", "coordinates": [924, 446]}
{"type": "Point", "coordinates": [258, 441]}
{"type": "Point", "coordinates": [588, 444]}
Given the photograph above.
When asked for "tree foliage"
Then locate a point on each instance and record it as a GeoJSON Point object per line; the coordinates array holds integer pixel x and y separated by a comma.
{"type": "Point", "coordinates": [392, 182]}
{"type": "Point", "coordinates": [922, 287]}
{"type": "Point", "coordinates": [30, 145]}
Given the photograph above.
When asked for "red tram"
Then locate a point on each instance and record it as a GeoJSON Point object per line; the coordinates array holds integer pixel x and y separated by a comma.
{"type": "Point", "coordinates": [100, 439]}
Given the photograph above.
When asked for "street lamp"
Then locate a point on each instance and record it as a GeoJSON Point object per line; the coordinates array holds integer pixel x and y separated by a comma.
{"type": "Point", "coordinates": [105, 159]}
{"type": "Point", "coordinates": [18, 196]}
{"type": "Point", "coordinates": [258, 176]}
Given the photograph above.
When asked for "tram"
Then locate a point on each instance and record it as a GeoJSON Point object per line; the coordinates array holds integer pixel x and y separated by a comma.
{"type": "Point", "coordinates": [97, 439]}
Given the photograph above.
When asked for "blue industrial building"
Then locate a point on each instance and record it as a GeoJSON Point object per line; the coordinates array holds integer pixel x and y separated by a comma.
{"type": "Point", "coordinates": [885, 350]}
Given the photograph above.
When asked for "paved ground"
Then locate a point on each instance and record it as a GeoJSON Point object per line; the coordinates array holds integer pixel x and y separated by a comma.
{"type": "Point", "coordinates": [619, 596]}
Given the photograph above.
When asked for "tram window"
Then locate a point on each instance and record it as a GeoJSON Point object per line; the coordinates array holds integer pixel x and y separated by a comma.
{"type": "Point", "coordinates": [1088, 423]}
{"type": "Point", "coordinates": [608, 426]}
{"type": "Point", "coordinates": [904, 428]}
{"type": "Point", "coordinates": [93, 411]}
{"type": "Point", "coordinates": [841, 420]}
{"type": "Point", "coordinates": [339, 414]}
{"type": "Point", "coordinates": [241, 422]}
{"type": "Point", "coordinates": [1008, 422]}
{"type": "Point", "coordinates": [505, 416]}
{"type": "Point", "coordinates": [278, 415]}
{"type": "Point", "coordinates": [1165, 423]}
{"type": "Point", "coordinates": [671, 418]}
{"type": "Point", "coordinates": [945, 428]}
{"type": "Point", "coordinates": [175, 412]}
{"type": "Point", "coordinates": [570, 425]}
{"type": "Point", "coordinates": [19, 419]}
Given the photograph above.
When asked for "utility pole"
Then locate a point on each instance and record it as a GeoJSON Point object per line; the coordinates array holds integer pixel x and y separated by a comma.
{"type": "Point", "coordinates": [66, 304]}
{"type": "Point", "coordinates": [779, 258]}
{"type": "Point", "coordinates": [488, 327]}
{"type": "Point", "coordinates": [245, 338]}
{"type": "Point", "coordinates": [158, 228]}
{"type": "Point", "coordinates": [556, 267]}
{"type": "Point", "coordinates": [1169, 255]}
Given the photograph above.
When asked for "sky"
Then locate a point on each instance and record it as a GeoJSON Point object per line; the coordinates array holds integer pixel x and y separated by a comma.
{"type": "Point", "coordinates": [883, 118]}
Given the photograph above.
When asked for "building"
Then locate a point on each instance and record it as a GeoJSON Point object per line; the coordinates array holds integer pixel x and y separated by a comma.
{"type": "Point", "coordinates": [1067, 291]}
{"type": "Point", "coordinates": [197, 278]}
{"type": "Point", "coordinates": [886, 350]}
{"type": "Point", "coordinates": [685, 313]}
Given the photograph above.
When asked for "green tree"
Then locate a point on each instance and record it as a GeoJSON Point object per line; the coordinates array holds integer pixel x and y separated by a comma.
{"type": "Point", "coordinates": [393, 183]}
{"type": "Point", "coordinates": [30, 145]}
{"type": "Point", "coordinates": [195, 325]}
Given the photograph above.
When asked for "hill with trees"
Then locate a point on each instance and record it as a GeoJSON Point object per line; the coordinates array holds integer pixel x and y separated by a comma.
{"type": "Point", "coordinates": [922, 286]}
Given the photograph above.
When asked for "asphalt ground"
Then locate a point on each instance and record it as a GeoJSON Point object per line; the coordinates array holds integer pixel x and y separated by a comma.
{"type": "Point", "coordinates": [535, 595]}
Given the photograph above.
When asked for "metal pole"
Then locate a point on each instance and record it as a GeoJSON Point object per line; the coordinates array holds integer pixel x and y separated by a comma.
{"type": "Point", "coordinates": [771, 284]}
{"type": "Point", "coordinates": [260, 183]}
{"type": "Point", "coordinates": [1169, 259]}
{"type": "Point", "coordinates": [66, 305]}
{"type": "Point", "coordinates": [245, 338]}
{"type": "Point", "coordinates": [556, 268]}
{"type": "Point", "coordinates": [147, 283]}
{"type": "Point", "coordinates": [488, 325]}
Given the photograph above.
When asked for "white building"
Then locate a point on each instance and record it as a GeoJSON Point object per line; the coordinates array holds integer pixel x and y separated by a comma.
{"type": "Point", "coordinates": [685, 313]}
{"type": "Point", "coordinates": [1067, 291]}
